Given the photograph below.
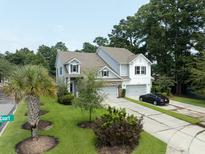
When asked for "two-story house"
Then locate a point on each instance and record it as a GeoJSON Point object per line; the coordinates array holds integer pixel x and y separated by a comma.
{"type": "Point", "coordinates": [117, 67]}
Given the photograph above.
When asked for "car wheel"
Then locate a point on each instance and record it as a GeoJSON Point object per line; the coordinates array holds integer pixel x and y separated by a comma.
{"type": "Point", "coordinates": [155, 102]}
{"type": "Point", "coordinates": [141, 99]}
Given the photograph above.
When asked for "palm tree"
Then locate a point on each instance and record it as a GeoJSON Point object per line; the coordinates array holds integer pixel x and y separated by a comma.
{"type": "Point", "coordinates": [29, 83]}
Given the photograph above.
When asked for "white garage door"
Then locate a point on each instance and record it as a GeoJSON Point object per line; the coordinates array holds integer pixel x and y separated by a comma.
{"type": "Point", "coordinates": [135, 90]}
{"type": "Point", "coordinates": [110, 91]}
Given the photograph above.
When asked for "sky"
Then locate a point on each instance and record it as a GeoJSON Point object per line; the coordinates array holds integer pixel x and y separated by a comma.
{"type": "Point", "coordinates": [30, 23]}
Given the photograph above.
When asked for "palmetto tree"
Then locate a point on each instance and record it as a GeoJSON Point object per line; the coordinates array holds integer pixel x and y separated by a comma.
{"type": "Point", "coordinates": [29, 83]}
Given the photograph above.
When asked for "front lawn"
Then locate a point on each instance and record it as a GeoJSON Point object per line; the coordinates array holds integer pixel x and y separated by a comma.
{"type": "Point", "coordinates": [72, 139]}
{"type": "Point", "coordinates": [197, 102]}
{"type": "Point", "coordinates": [186, 118]}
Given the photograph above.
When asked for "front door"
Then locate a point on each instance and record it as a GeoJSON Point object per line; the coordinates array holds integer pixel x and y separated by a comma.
{"type": "Point", "coordinates": [73, 87]}
{"type": "Point", "coordinates": [72, 90]}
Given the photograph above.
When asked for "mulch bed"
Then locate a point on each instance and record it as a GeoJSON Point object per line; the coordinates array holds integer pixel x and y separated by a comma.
{"type": "Point", "coordinates": [115, 150]}
{"type": "Point", "coordinates": [106, 149]}
{"type": "Point", "coordinates": [42, 125]}
{"type": "Point", "coordinates": [42, 112]}
{"type": "Point", "coordinates": [37, 145]}
{"type": "Point", "coordinates": [87, 124]}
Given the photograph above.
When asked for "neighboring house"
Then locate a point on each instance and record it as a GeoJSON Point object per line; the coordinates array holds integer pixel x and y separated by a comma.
{"type": "Point", "coordinates": [118, 67]}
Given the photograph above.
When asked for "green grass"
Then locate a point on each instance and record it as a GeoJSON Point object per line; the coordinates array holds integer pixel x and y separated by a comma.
{"type": "Point", "coordinates": [168, 112]}
{"type": "Point", "coordinates": [197, 102]}
{"type": "Point", "coordinates": [72, 139]}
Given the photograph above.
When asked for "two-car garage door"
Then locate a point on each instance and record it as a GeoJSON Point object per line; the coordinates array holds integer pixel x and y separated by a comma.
{"type": "Point", "coordinates": [135, 90]}
{"type": "Point", "coordinates": [131, 90]}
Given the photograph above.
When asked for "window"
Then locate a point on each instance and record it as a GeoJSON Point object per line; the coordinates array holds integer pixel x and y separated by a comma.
{"type": "Point", "coordinates": [74, 68]}
{"type": "Point", "coordinates": [105, 73]}
{"type": "Point", "coordinates": [137, 69]}
{"type": "Point", "coordinates": [143, 70]}
{"type": "Point", "coordinates": [140, 70]}
{"type": "Point", "coordinates": [61, 70]}
{"type": "Point", "coordinates": [57, 71]}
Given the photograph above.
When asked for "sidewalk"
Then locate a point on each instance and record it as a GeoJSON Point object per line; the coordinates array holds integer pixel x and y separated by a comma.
{"type": "Point", "coordinates": [181, 137]}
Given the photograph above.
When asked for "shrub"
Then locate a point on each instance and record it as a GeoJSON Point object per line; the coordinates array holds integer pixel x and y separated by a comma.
{"type": "Point", "coordinates": [66, 99]}
{"type": "Point", "coordinates": [116, 128]}
{"type": "Point", "coordinates": [61, 89]}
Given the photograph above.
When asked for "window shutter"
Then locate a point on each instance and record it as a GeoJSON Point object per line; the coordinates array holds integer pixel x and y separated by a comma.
{"type": "Point", "coordinates": [76, 68]}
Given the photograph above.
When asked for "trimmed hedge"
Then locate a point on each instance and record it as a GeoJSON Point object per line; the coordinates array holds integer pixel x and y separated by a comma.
{"type": "Point", "coordinates": [66, 99]}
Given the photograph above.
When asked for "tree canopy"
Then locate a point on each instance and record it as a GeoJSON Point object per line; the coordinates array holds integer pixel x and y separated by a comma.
{"type": "Point", "coordinates": [45, 56]}
{"type": "Point", "coordinates": [5, 68]}
{"type": "Point", "coordinates": [88, 47]}
{"type": "Point", "coordinates": [101, 41]}
{"type": "Point", "coordinates": [168, 32]}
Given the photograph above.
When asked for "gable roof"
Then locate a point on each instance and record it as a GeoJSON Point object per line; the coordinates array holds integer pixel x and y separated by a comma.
{"type": "Point", "coordinates": [143, 57]}
{"type": "Point", "coordinates": [88, 61]}
{"type": "Point", "coordinates": [106, 67]}
{"type": "Point", "coordinates": [121, 55]}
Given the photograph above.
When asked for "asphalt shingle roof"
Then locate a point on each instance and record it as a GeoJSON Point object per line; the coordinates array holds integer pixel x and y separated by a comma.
{"type": "Point", "coordinates": [121, 55]}
{"type": "Point", "coordinates": [89, 61]}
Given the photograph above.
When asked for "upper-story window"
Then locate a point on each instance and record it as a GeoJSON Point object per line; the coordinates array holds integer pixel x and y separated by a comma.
{"type": "Point", "coordinates": [137, 69]}
{"type": "Point", "coordinates": [105, 73]}
{"type": "Point", "coordinates": [140, 70]}
{"type": "Point", "coordinates": [61, 70]}
{"type": "Point", "coordinates": [74, 68]}
{"type": "Point", "coordinates": [143, 70]}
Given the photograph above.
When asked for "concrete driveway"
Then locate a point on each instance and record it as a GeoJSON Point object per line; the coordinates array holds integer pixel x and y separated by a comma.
{"type": "Point", "coordinates": [186, 109]}
{"type": "Point", "coordinates": [180, 136]}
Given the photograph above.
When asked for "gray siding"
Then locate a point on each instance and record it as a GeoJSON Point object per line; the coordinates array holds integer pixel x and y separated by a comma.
{"type": "Point", "coordinates": [109, 60]}
{"type": "Point", "coordinates": [111, 75]}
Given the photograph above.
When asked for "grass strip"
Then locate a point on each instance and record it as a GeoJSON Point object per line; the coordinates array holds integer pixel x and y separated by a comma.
{"type": "Point", "coordinates": [186, 118]}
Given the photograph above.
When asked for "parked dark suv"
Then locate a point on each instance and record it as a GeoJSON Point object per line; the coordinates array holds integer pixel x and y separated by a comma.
{"type": "Point", "coordinates": [156, 99]}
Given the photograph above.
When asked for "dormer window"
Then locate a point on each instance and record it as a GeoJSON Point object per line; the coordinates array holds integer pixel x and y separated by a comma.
{"type": "Point", "coordinates": [74, 68]}
{"type": "Point", "coordinates": [105, 73]}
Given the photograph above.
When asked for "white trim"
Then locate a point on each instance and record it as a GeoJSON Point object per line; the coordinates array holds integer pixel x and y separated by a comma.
{"type": "Point", "coordinates": [109, 80]}
{"type": "Point", "coordinates": [70, 71]}
{"type": "Point", "coordinates": [68, 62]}
{"type": "Point", "coordinates": [110, 70]}
{"type": "Point", "coordinates": [143, 57]}
{"type": "Point", "coordinates": [106, 74]}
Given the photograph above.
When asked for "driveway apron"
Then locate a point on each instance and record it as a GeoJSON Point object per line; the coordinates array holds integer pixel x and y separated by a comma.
{"type": "Point", "coordinates": [181, 137]}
